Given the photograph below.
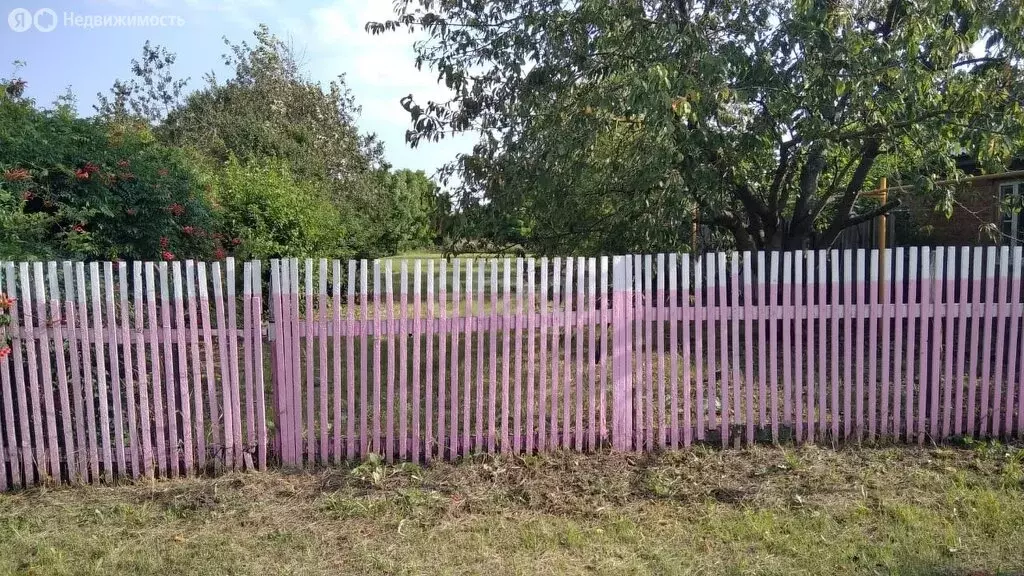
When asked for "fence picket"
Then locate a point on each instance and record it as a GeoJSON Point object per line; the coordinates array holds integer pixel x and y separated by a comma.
{"type": "Point", "coordinates": [1016, 364]}
{"type": "Point", "coordinates": [261, 407]}
{"type": "Point", "coordinates": [836, 310]}
{"type": "Point", "coordinates": [873, 313]}
{"type": "Point", "coordinates": [687, 321]}
{"type": "Point", "coordinates": [46, 371]}
{"type": "Point", "coordinates": [566, 341]}
{"type": "Point", "coordinates": [542, 393]}
{"type": "Point", "coordinates": [57, 321]}
{"type": "Point", "coordinates": [364, 398]}
{"type": "Point", "coordinates": [453, 400]}
{"type": "Point", "coordinates": [531, 326]}
{"type": "Point", "coordinates": [975, 320]}
{"type": "Point", "coordinates": [556, 283]}
{"type": "Point", "coordinates": [391, 339]}
{"type": "Point", "coordinates": [322, 381]}
{"type": "Point", "coordinates": [950, 327]}
{"type": "Point", "coordinates": [861, 312]}
{"type": "Point", "coordinates": [822, 308]}
{"type": "Point", "coordinates": [184, 398]}
{"type": "Point", "coordinates": [592, 350]}
{"type": "Point", "coordinates": [15, 453]}
{"type": "Point", "coordinates": [428, 433]}
{"type": "Point", "coordinates": [417, 330]}
{"type": "Point", "coordinates": [772, 310]}
{"type": "Point", "coordinates": [674, 316]}
{"type": "Point", "coordinates": [936, 310]}
{"type": "Point", "coordinates": [481, 336]}
{"type": "Point", "coordinates": [699, 319]}
{"type": "Point", "coordinates": [468, 323]}
{"type": "Point", "coordinates": [986, 343]}
{"type": "Point", "coordinates": [506, 359]}
{"type": "Point", "coordinates": [578, 317]}
{"type": "Point", "coordinates": [798, 345]}
{"type": "Point", "coordinates": [712, 334]}
{"type": "Point", "coordinates": [897, 371]}
{"type": "Point", "coordinates": [924, 378]}
{"type": "Point", "coordinates": [912, 315]}
{"type": "Point", "coordinates": [350, 361]}
{"type": "Point", "coordinates": [763, 310]}
{"type": "Point", "coordinates": [403, 361]}
{"type": "Point", "coordinates": [192, 322]}
{"type": "Point", "coordinates": [849, 323]}
{"type": "Point", "coordinates": [723, 328]}
{"type": "Point", "coordinates": [174, 462]}
{"type": "Point", "coordinates": [442, 359]}
{"type": "Point", "coordinates": [337, 385]}
{"type": "Point", "coordinates": [517, 374]}
{"type": "Point", "coordinates": [660, 308]}
{"type": "Point", "coordinates": [40, 451]}
{"type": "Point", "coordinates": [28, 454]}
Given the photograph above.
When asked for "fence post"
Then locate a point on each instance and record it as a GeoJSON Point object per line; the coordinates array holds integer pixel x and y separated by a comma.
{"type": "Point", "coordinates": [622, 424]}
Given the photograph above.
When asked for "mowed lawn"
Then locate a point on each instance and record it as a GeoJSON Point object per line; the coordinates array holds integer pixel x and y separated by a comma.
{"type": "Point", "coordinates": [894, 510]}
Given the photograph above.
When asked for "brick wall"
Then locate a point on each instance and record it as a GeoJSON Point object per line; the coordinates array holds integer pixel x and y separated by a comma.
{"type": "Point", "coordinates": [921, 224]}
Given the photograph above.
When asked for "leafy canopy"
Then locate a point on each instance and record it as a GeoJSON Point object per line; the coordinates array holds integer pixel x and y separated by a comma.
{"type": "Point", "coordinates": [606, 125]}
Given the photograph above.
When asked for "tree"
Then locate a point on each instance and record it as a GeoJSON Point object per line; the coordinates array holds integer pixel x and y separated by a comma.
{"type": "Point", "coordinates": [418, 209]}
{"type": "Point", "coordinates": [614, 121]}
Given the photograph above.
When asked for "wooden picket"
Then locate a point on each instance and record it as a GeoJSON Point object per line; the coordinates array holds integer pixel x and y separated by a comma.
{"type": "Point", "coordinates": [129, 372]}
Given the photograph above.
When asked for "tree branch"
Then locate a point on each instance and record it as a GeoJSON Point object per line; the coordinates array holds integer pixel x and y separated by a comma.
{"type": "Point", "coordinates": [880, 211]}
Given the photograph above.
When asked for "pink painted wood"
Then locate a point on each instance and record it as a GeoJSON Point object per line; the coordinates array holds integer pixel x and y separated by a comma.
{"type": "Point", "coordinates": [874, 313]}
{"type": "Point", "coordinates": [53, 451]}
{"type": "Point", "coordinates": [442, 360]}
{"type": "Point", "coordinates": [836, 311]}
{"type": "Point", "coordinates": [950, 327]}
{"type": "Point", "coordinates": [899, 286]}
{"type": "Point", "coordinates": [173, 457]}
{"type": "Point", "coordinates": [771, 310]}
{"type": "Point", "coordinates": [988, 319]}
{"type": "Point", "coordinates": [277, 376]}
{"type": "Point", "coordinates": [39, 447]}
{"type": "Point", "coordinates": [206, 328]}
{"type": "Point", "coordinates": [429, 430]}
{"type": "Point", "coordinates": [619, 391]}
{"type": "Point", "coordinates": [712, 334]}
{"type": "Point", "coordinates": [913, 311]}
{"type": "Point", "coordinates": [605, 347]}
{"type": "Point", "coordinates": [688, 362]}
{"type": "Point", "coordinates": [184, 396]}
{"type": "Point", "coordinates": [849, 312]}
{"type": "Point", "coordinates": [736, 372]}
{"type": "Point", "coordinates": [976, 320]}
{"type": "Point", "coordinates": [556, 281]}
{"type": "Point", "coordinates": [822, 309]}
{"type": "Point", "coordinates": [723, 327]}
{"type": "Point", "coordinates": [935, 374]}
{"type": "Point", "coordinates": [192, 321]}
{"type": "Point", "coordinates": [295, 360]}
{"type": "Point", "coordinates": [506, 360]}
{"type": "Point", "coordinates": [261, 406]}
{"type": "Point", "coordinates": [567, 383]}
{"type": "Point", "coordinates": [57, 320]}
{"type": "Point", "coordinates": [103, 392]}
{"type": "Point", "coordinates": [308, 340]}
{"type": "Point", "coordinates": [923, 380]}
{"type": "Point", "coordinates": [648, 378]}
{"type": "Point", "coordinates": [798, 344]}
{"type": "Point", "coordinates": [673, 338]}
{"type": "Point", "coordinates": [886, 293]}
{"type": "Point", "coordinates": [517, 376]}
{"type": "Point", "coordinates": [337, 385]}
{"type": "Point", "coordinates": [811, 283]}
{"type": "Point", "coordinates": [787, 343]}
{"type": "Point", "coordinates": [418, 329]}
{"type": "Point", "coordinates": [364, 357]}
{"type": "Point", "coordinates": [467, 369]}
{"type": "Point", "coordinates": [762, 340]}
{"type": "Point", "coordinates": [861, 327]}
{"type": "Point", "coordinates": [231, 441]}
{"type": "Point", "coordinates": [592, 351]}
{"type": "Point", "coordinates": [481, 384]}
{"type": "Point", "coordinates": [453, 450]}
{"type": "Point", "coordinates": [158, 413]}
{"type": "Point", "coordinates": [578, 314]}
{"type": "Point", "coordinates": [350, 363]}
{"type": "Point", "coordinates": [542, 392]}
{"type": "Point", "coordinates": [391, 338]}
{"type": "Point", "coordinates": [628, 355]}
{"type": "Point", "coordinates": [1015, 352]}
{"type": "Point", "coordinates": [403, 361]}
{"type": "Point", "coordinates": [531, 326]}
{"type": "Point", "coordinates": [323, 380]}
{"type": "Point", "coordinates": [139, 306]}
{"type": "Point", "coordinates": [234, 386]}
{"type": "Point", "coordinates": [28, 455]}
{"type": "Point", "coordinates": [78, 461]}
{"type": "Point", "coordinates": [662, 419]}
{"type": "Point", "coordinates": [699, 317]}
{"type": "Point", "coordinates": [14, 450]}
{"type": "Point", "coordinates": [1001, 313]}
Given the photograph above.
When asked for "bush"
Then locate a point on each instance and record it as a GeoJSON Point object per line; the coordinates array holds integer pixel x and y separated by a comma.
{"type": "Point", "coordinates": [85, 189]}
{"type": "Point", "coordinates": [270, 214]}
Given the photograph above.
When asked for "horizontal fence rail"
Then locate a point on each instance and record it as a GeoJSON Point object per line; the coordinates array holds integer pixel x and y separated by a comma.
{"type": "Point", "coordinates": [167, 369]}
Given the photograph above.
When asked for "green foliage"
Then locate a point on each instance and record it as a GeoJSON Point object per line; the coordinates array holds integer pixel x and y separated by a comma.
{"type": "Point", "coordinates": [275, 215]}
{"type": "Point", "coordinates": [417, 210]}
{"type": "Point", "coordinates": [82, 188]}
{"type": "Point", "coordinates": [606, 125]}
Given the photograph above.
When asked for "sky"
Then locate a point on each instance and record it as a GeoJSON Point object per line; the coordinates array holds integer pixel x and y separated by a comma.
{"type": "Point", "coordinates": [328, 34]}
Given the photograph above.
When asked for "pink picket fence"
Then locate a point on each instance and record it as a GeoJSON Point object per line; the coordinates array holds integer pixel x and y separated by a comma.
{"type": "Point", "coordinates": [159, 370]}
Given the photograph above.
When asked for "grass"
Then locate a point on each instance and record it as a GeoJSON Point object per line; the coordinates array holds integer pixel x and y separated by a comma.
{"type": "Point", "coordinates": [762, 510]}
